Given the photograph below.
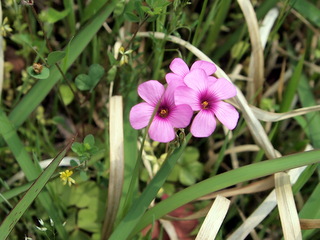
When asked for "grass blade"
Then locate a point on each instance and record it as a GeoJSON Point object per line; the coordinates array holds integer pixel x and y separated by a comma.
{"type": "Point", "coordinates": [41, 89]}
{"type": "Point", "coordinates": [116, 164]}
{"type": "Point", "coordinates": [126, 226]}
{"type": "Point", "coordinates": [16, 213]}
{"type": "Point", "coordinates": [227, 179]}
{"type": "Point", "coordinates": [287, 208]}
{"type": "Point", "coordinates": [214, 219]}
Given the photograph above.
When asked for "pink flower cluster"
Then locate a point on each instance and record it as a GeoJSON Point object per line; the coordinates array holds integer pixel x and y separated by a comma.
{"type": "Point", "coordinates": [188, 91]}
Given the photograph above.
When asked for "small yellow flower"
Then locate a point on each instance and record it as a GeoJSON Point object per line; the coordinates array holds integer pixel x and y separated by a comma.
{"type": "Point", "coordinates": [124, 58]}
{"type": "Point", "coordinates": [5, 28]}
{"type": "Point", "coordinates": [66, 177]}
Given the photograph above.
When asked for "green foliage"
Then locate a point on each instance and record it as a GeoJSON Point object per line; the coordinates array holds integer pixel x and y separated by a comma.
{"type": "Point", "coordinates": [86, 149]}
{"type": "Point", "coordinates": [86, 82]}
{"type": "Point", "coordinates": [44, 74]}
{"type": "Point", "coordinates": [55, 57]}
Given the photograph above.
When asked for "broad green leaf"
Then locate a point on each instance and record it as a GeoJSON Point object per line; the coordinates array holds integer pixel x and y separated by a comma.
{"type": "Point", "coordinates": [96, 72]}
{"type": "Point", "coordinates": [131, 17]}
{"type": "Point", "coordinates": [16, 213]}
{"type": "Point", "coordinates": [66, 94]}
{"type": "Point", "coordinates": [79, 235]}
{"type": "Point", "coordinates": [55, 57]}
{"type": "Point", "coordinates": [87, 220]}
{"type": "Point", "coordinates": [55, 16]}
{"type": "Point", "coordinates": [186, 177]}
{"type": "Point", "coordinates": [112, 73]}
{"type": "Point", "coordinates": [45, 73]}
{"type": "Point", "coordinates": [83, 82]}
{"type": "Point", "coordinates": [89, 140]}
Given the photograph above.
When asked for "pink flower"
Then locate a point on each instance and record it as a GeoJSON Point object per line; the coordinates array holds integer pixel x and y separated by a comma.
{"type": "Point", "coordinates": [180, 69]}
{"type": "Point", "coordinates": [168, 116]}
{"type": "Point", "coordinates": [205, 96]}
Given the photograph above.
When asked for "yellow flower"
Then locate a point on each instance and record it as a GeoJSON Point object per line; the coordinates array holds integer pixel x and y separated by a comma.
{"type": "Point", "coordinates": [5, 28]}
{"type": "Point", "coordinates": [66, 178]}
{"type": "Point", "coordinates": [124, 58]}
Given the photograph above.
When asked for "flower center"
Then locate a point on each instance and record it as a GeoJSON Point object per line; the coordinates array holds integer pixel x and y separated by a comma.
{"type": "Point", "coordinates": [163, 112]}
{"type": "Point", "coordinates": [205, 104]}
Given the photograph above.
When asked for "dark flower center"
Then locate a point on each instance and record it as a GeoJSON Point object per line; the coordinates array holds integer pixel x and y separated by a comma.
{"type": "Point", "coordinates": [163, 112]}
{"type": "Point", "coordinates": [205, 105]}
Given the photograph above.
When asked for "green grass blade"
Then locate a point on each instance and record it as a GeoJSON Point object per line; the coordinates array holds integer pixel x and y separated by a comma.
{"type": "Point", "coordinates": [292, 87]}
{"type": "Point", "coordinates": [138, 208]}
{"type": "Point", "coordinates": [41, 89]}
{"type": "Point", "coordinates": [13, 141]}
{"type": "Point", "coordinates": [307, 10]}
{"type": "Point", "coordinates": [225, 180]}
{"type": "Point", "coordinates": [311, 210]}
{"type": "Point", "coordinates": [234, 37]}
{"type": "Point", "coordinates": [307, 99]}
{"type": "Point", "coordinates": [16, 213]}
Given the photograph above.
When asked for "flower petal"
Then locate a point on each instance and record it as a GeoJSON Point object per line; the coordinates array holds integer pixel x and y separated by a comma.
{"type": "Point", "coordinates": [208, 67]}
{"type": "Point", "coordinates": [161, 130]}
{"type": "Point", "coordinates": [203, 124]}
{"type": "Point", "coordinates": [186, 95]}
{"type": "Point", "coordinates": [151, 91]}
{"type": "Point", "coordinates": [180, 116]}
{"type": "Point", "coordinates": [172, 77]}
{"type": "Point", "coordinates": [227, 114]}
{"type": "Point", "coordinates": [179, 67]}
{"type": "Point", "coordinates": [140, 115]}
{"type": "Point", "coordinates": [168, 98]}
{"type": "Point", "coordinates": [222, 89]}
{"type": "Point", "coordinates": [197, 79]}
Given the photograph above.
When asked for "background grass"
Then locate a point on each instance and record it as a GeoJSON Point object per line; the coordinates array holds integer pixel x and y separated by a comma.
{"type": "Point", "coordinates": [38, 117]}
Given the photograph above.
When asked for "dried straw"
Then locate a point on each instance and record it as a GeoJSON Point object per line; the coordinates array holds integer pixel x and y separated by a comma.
{"type": "Point", "coordinates": [116, 164]}
{"type": "Point", "coordinates": [287, 208]}
{"type": "Point", "coordinates": [214, 219]}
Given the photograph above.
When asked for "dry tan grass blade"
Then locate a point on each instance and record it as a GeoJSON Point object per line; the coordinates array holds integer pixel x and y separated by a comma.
{"type": "Point", "coordinates": [287, 208]}
{"type": "Point", "coordinates": [116, 163]}
{"type": "Point", "coordinates": [254, 187]}
{"type": "Point", "coordinates": [275, 117]}
{"type": "Point", "coordinates": [214, 219]}
{"type": "Point", "coordinates": [254, 125]}
{"type": "Point", "coordinates": [265, 207]}
{"type": "Point", "coordinates": [256, 67]}
{"type": "Point", "coordinates": [309, 223]}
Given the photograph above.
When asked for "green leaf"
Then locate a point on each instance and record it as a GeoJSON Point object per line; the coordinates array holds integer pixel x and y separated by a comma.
{"type": "Point", "coordinates": [41, 89]}
{"type": "Point", "coordinates": [186, 177]}
{"type": "Point", "coordinates": [89, 139]}
{"type": "Point", "coordinates": [55, 57]}
{"type": "Point", "coordinates": [16, 213]}
{"type": "Point", "coordinates": [83, 82]}
{"type": "Point", "coordinates": [78, 148]}
{"type": "Point", "coordinates": [96, 72]}
{"type": "Point", "coordinates": [55, 16]}
{"type": "Point", "coordinates": [45, 73]}
{"type": "Point", "coordinates": [131, 17]}
{"type": "Point", "coordinates": [73, 163]}
{"type": "Point", "coordinates": [66, 94]}
{"type": "Point", "coordinates": [112, 74]}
